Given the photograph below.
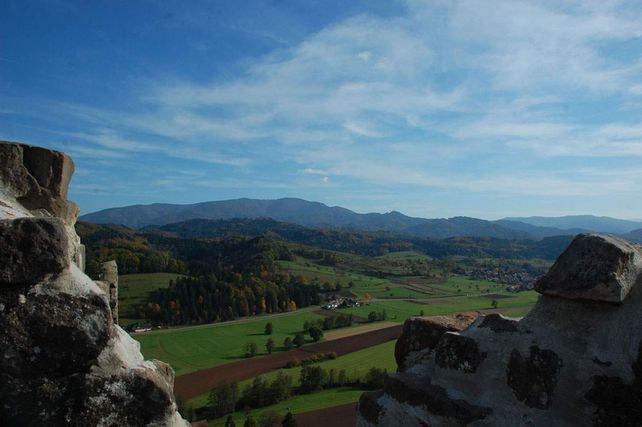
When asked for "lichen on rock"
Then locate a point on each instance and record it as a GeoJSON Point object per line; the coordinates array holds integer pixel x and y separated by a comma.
{"type": "Point", "coordinates": [63, 359]}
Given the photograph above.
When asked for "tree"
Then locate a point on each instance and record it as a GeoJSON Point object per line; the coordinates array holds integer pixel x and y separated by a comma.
{"type": "Point", "coordinates": [268, 328]}
{"type": "Point", "coordinates": [250, 422]}
{"type": "Point", "coordinates": [270, 419]}
{"type": "Point", "coordinates": [494, 303]}
{"type": "Point", "coordinates": [288, 420]}
{"type": "Point", "coordinates": [250, 349]}
{"type": "Point", "coordinates": [256, 395]}
{"type": "Point", "coordinates": [299, 340]}
{"type": "Point", "coordinates": [269, 345]}
{"type": "Point", "coordinates": [287, 343]}
{"type": "Point", "coordinates": [229, 422]}
{"type": "Point", "coordinates": [222, 400]}
{"type": "Point", "coordinates": [315, 333]}
{"type": "Point", "coordinates": [312, 378]}
{"type": "Point", "coordinates": [332, 378]}
{"type": "Point", "coordinates": [281, 388]}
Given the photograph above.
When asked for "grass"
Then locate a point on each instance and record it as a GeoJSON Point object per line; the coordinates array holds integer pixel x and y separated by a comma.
{"type": "Point", "coordinates": [134, 289]}
{"type": "Point", "coordinates": [356, 365]}
{"type": "Point", "coordinates": [192, 349]}
{"type": "Point", "coordinates": [398, 311]}
{"type": "Point", "coordinates": [299, 404]}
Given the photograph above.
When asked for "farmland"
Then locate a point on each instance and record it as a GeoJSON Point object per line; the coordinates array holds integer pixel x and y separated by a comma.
{"type": "Point", "coordinates": [401, 284]}
{"type": "Point", "coordinates": [194, 348]}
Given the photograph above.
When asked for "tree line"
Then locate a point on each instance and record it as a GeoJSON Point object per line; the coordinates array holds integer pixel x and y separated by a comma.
{"type": "Point", "coordinates": [228, 398]}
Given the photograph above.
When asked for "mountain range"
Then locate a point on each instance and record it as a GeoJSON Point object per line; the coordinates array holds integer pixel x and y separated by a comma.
{"type": "Point", "coordinates": [319, 215]}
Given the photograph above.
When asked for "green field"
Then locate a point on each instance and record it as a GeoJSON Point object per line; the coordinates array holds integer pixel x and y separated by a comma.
{"type": "Point", "coordinates": [299, 404]}
{"type": "Point", "coordinates": [355, 364]}
{"type": "Point", "coordinates": [134, 289]}
{"type": "Point", "coordinates": [399, 310]}
{"type": "Point", "coordinates": [389, 277]}
{"type": "Point", "coordinates": [194, 348]}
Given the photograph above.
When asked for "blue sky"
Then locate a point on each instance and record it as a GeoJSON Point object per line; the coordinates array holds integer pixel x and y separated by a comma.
{"type": "Point", "coordinates": [433, 108]}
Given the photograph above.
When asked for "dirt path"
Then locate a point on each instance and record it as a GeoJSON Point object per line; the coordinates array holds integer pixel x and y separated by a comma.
{"type": "Point", "coordinates": [195, 383]}
{"type": "Point", "coordinates": [336, 416]}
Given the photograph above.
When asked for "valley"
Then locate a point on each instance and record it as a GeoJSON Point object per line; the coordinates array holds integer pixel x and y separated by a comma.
{"type": "Point", "coordinates": [221, 282]}
{"type": "Point", "coordinates": [396, 286]}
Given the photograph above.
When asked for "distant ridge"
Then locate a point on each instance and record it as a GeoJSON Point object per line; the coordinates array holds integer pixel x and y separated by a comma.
{"type": "Point", "coordinates": [318, 215]}
{"type": "Point", "coordinates": [603, 224]}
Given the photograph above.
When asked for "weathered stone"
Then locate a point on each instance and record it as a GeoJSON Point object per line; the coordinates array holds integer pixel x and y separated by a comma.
{"type": "Point", "coordinates": [109, 274]}
{"type": "Point", "coordinates": [420, 333]}
{"type": "Point", "coordinates": [498, 323]}
{"type": "Point", "coordinates": [570, 361]}
{"type": "Point", "coordinates": [419, 391]}
{"type": "Point", "coordinates": [51, 335]}
{"type": "Point", "coordinates": [533, 378]}
{"type": "Point", "coordinates": [617, 403]}
{"type": "Point", "coordinates": [594, 267]}
{"type": "Point", "coordinates": [63, 361]}
{"type": "Point", "coordinates": [38, 178]}
{"type": "Point", "coordinates": [458, 352]}
{"type": "Point", "coordinates": [132, 399]}
{"type": "Point", "coordinates": [32, 248]}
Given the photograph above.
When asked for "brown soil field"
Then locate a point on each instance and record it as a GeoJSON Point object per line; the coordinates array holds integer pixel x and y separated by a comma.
{"type": "Point", "coordinates": [348, 332]}
{"type": "Point", "coordinates": [199, 382]}
{"type": "Point", "coordinates": [337, 416]}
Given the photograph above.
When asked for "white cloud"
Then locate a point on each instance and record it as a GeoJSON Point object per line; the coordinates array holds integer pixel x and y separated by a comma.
{"type": "Point", "coordinates": [463, 96]}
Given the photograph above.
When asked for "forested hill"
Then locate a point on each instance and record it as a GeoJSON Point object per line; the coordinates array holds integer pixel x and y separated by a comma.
{"type": "Point", "coordinates": [231, 268]}
{"type": "Point", "coordinates": [318, 215]}
{"type": "Point", "coordinates": [191, 245]}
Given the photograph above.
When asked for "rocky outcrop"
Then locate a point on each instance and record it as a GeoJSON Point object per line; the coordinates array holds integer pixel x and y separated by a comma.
{"type": "Point", "coordinates": [574, 360]}
{"type": "Point", "coordinates": [108, 275]}
{"type": "Point", "coordinates": [598, 268]}
{"type": "Point", "coordinates": [421, 335]}
{"type": "Point", "coordinates": [63, 359]}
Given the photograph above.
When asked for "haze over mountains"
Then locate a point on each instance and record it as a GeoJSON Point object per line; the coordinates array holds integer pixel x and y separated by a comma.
{"type": "Point", "coordinates": [319, 215]}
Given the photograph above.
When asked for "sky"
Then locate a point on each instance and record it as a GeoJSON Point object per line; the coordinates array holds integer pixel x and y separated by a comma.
{"type": "Point", "coordinates": [433, 108]}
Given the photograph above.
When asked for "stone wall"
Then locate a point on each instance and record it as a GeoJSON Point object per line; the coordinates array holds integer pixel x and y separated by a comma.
{"type": "Point", "coordinates": [574, 360]}
{"type": "Point", "coordinates": [63, 359]}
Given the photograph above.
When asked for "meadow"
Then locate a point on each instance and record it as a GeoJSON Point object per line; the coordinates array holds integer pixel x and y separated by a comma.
{"type": "Point", "coordinates": [190, 349]}
{"type": "Point", "coordinates": [399, 310]}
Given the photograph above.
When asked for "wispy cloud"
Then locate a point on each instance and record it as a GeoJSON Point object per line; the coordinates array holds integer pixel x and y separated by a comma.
{"type": "Point", "coordinates": [495, 97]}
